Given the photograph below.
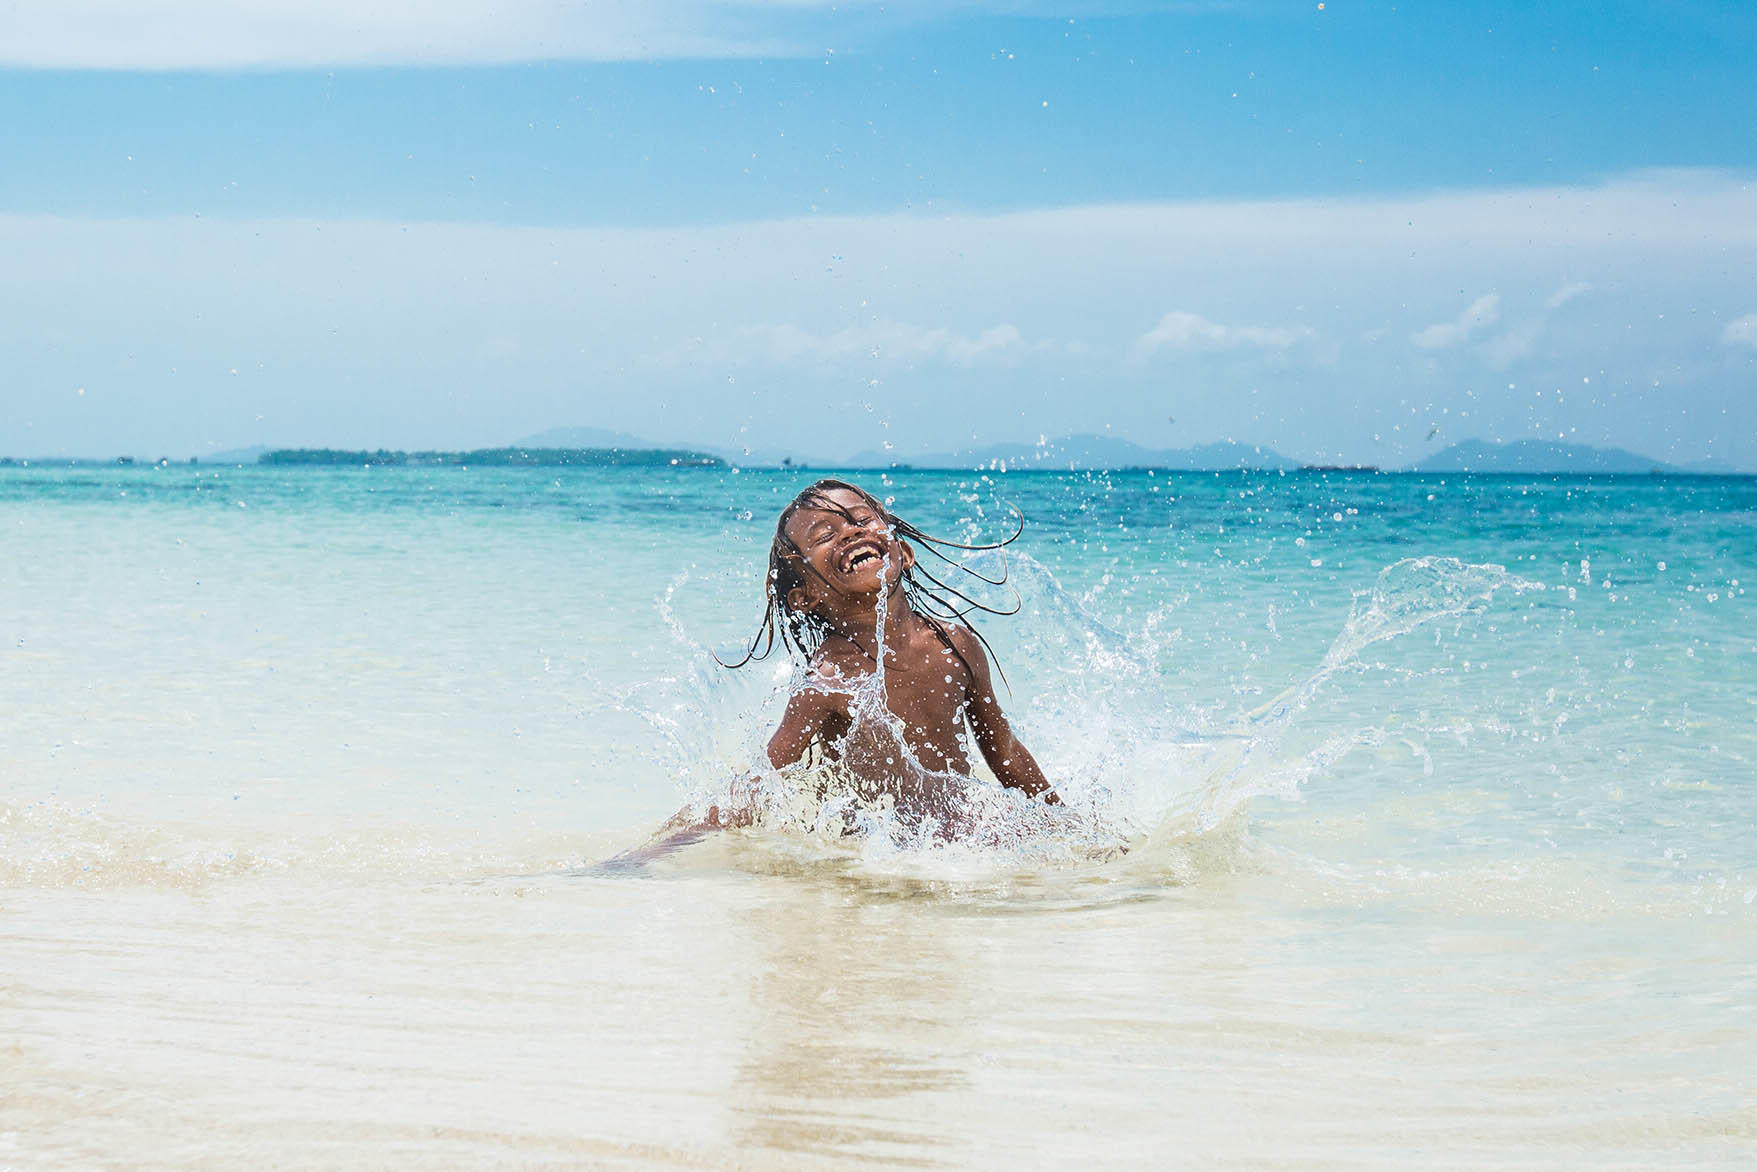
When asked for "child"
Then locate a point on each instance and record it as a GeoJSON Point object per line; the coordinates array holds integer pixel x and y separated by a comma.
{"type": "Point", "coordinates": [844, 586]}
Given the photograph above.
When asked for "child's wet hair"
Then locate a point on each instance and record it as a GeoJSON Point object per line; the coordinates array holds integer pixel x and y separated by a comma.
{"type": "Point", "coordinates": [935, 601]}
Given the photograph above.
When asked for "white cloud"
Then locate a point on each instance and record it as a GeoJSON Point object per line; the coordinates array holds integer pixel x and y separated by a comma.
{"type": "Point", "coordinates": [361, 333]}
{"type": "Point", "coordinates": [1521, 341]}
{"type": "Point", "coordinates": [232, 34]}
{"type": "Point", "coordinates": [1502, 351]}
{"type": "Point", "coordinates": [1182, 330]}
{"type": "Point", "coordinates": [247, 34]}
{"type": "Point", "coordinates": [1742, 332]}
{"type": "Point", "coordinates": [879, 343]}
{"type": "Point", "coordinates": [1566, 294]}
{"type": "Point", "coordinates": [1484, 311]}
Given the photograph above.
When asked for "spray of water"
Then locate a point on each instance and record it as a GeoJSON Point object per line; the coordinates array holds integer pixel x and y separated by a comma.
{"type": "Point", "coordinates": [1142, 771]}
{"type": "Point", "coordinates": [1151, 767]}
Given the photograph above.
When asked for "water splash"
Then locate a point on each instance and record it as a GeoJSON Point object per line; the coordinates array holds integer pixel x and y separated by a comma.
{"type": "Point", "coordinates": [1140, 768]}
{"type": "Point", "coordinates": [1406, 595]}
{"type": "Point", "coordinates": [1150, 765]}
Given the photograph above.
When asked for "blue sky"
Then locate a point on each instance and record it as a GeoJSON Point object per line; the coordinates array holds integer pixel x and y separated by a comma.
{"type": "Point", "coordinates": [1334, 231]}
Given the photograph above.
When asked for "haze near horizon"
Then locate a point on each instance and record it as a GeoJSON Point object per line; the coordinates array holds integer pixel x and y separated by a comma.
{"type": "Point", "coordinates": [1348, 234]}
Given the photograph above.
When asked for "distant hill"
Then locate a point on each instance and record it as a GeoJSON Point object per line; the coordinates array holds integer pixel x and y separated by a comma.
{"type": "Point", "coordinates": [517, 457]}
{"type": "Point", "coordinates": [1080, 452]}
{"type": "Point", "coordinates": [598, 437]}
{"type": "Point", "coordinates": [1076, 452]}
{"type": "Point", "coordinates": [1475, 455]}
{"type": "Point", "coordinates": [1088, 452]}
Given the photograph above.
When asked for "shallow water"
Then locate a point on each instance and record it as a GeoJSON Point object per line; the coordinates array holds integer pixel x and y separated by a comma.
{"type": "Point", "coordinates": [1437, 796]}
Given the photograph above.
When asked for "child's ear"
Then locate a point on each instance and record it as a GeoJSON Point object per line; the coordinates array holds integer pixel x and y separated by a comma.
{"type": "Point", "coordinates": [797, 602]}
{"type": "Point", "coordinates": [908, 556]}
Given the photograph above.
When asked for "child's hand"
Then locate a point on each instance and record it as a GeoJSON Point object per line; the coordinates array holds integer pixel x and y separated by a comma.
{"type": "Point", "coordinates": [739, 809]}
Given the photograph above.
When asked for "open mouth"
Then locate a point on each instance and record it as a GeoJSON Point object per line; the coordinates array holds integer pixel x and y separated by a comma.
{"type": "Point", "coordinates": [864, 556]}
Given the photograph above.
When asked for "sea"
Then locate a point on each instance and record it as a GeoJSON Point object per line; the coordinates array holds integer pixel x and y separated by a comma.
{"type": "Point", "coordinates": [1409, 819]}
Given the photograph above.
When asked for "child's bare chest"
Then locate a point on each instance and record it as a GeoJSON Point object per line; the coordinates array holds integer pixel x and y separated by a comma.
{"type": "Point", "coordinates": [924, 691]}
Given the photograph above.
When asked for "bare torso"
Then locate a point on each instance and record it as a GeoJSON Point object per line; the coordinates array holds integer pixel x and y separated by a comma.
{"type": "Point", "coordinates": [926, 688]}
{"type": "Point", "coordinates": [926, 692]}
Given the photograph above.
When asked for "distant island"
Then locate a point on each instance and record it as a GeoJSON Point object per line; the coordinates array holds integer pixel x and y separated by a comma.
{"type": "Point", "coordinates": [1093, 453]}
{"type": "Point", "coordinates": [1090, 453]}
{"type": "Point", "coordinates": [597, 448]}
{"type": "Point", "coordinates": [498, 458]}
{"type": "Point", "coordinates": [1109, 453]}
{"type": "Point", "coordinates": [1543, 456]}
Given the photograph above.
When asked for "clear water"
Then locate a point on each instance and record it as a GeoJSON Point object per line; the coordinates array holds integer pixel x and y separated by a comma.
{"type": "Point", "coordinates": [1415, 815]}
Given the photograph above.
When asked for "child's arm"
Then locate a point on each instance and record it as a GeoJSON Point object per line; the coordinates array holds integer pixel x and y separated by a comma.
{"type": "Point", "coordinates": [809, 712]}
{"type": "Point", "coordinates": [1011, 761]}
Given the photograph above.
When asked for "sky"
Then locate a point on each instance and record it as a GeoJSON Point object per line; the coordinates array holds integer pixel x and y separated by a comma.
{"type": "Point", "coordinates": [1350, 232]}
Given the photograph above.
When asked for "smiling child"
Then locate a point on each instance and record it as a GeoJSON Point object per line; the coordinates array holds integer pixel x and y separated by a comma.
{"type": "Point", "coordinates": [896, 685]}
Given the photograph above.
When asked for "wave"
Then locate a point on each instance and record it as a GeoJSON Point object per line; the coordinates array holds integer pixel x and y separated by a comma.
{"type": "Point", "coordinates": [1152, 782]}
{"type": "Point", "coordinates": [1140, 769]}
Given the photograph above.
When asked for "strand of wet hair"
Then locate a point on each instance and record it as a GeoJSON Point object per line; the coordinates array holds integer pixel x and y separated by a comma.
{"type": "Point", "coordinates": [937, 623]}
{"type": "Point", "coordinates": [918, 596]}
{"type": "Point", "coordinates": [1018, 602]}
{"type": "Point", "coordinates": [930, 543]}
{"type": "Point", "coordinates": [923, 601]}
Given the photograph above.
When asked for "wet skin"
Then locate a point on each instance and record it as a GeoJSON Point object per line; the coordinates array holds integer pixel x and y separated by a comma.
{"type": "Point", "coordinates": [936, 679]}
{"type": "Point", "coordinates": [937, 683]}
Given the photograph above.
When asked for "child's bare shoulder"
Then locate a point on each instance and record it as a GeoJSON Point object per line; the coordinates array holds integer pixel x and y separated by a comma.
{"type": "Point", "coordinates": [968, 645]}
{"type": "Point", "coordinates": [962, 638]}
{"type": "Point", "coordinates": [838, 664]}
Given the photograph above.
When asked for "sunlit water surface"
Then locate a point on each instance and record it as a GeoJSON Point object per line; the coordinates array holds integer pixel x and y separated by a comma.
{"type": "Point", "coordinates": [1410, 818]}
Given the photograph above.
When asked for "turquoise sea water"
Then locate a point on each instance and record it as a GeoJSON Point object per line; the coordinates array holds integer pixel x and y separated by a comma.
{"type": "Point", "coordinates": [1432, 743]}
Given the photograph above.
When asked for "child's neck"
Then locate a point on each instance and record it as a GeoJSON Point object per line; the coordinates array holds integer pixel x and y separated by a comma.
{"type": "Point", "coordinates": [858, 624]}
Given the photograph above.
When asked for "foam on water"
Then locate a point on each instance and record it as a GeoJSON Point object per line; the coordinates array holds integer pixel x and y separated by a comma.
{"type": "Point", "coordinates": [1141, 772]}
{"type": "Point", "coordinates": [1154, 785]}
{"type": "Point", "coordinates": [1586, 715]}
{"type": "Point", "coordinates": [47, 844]}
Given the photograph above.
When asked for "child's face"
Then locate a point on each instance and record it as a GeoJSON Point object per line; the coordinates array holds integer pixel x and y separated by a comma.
{"type": "Point", "coordinates": [851, 550]}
